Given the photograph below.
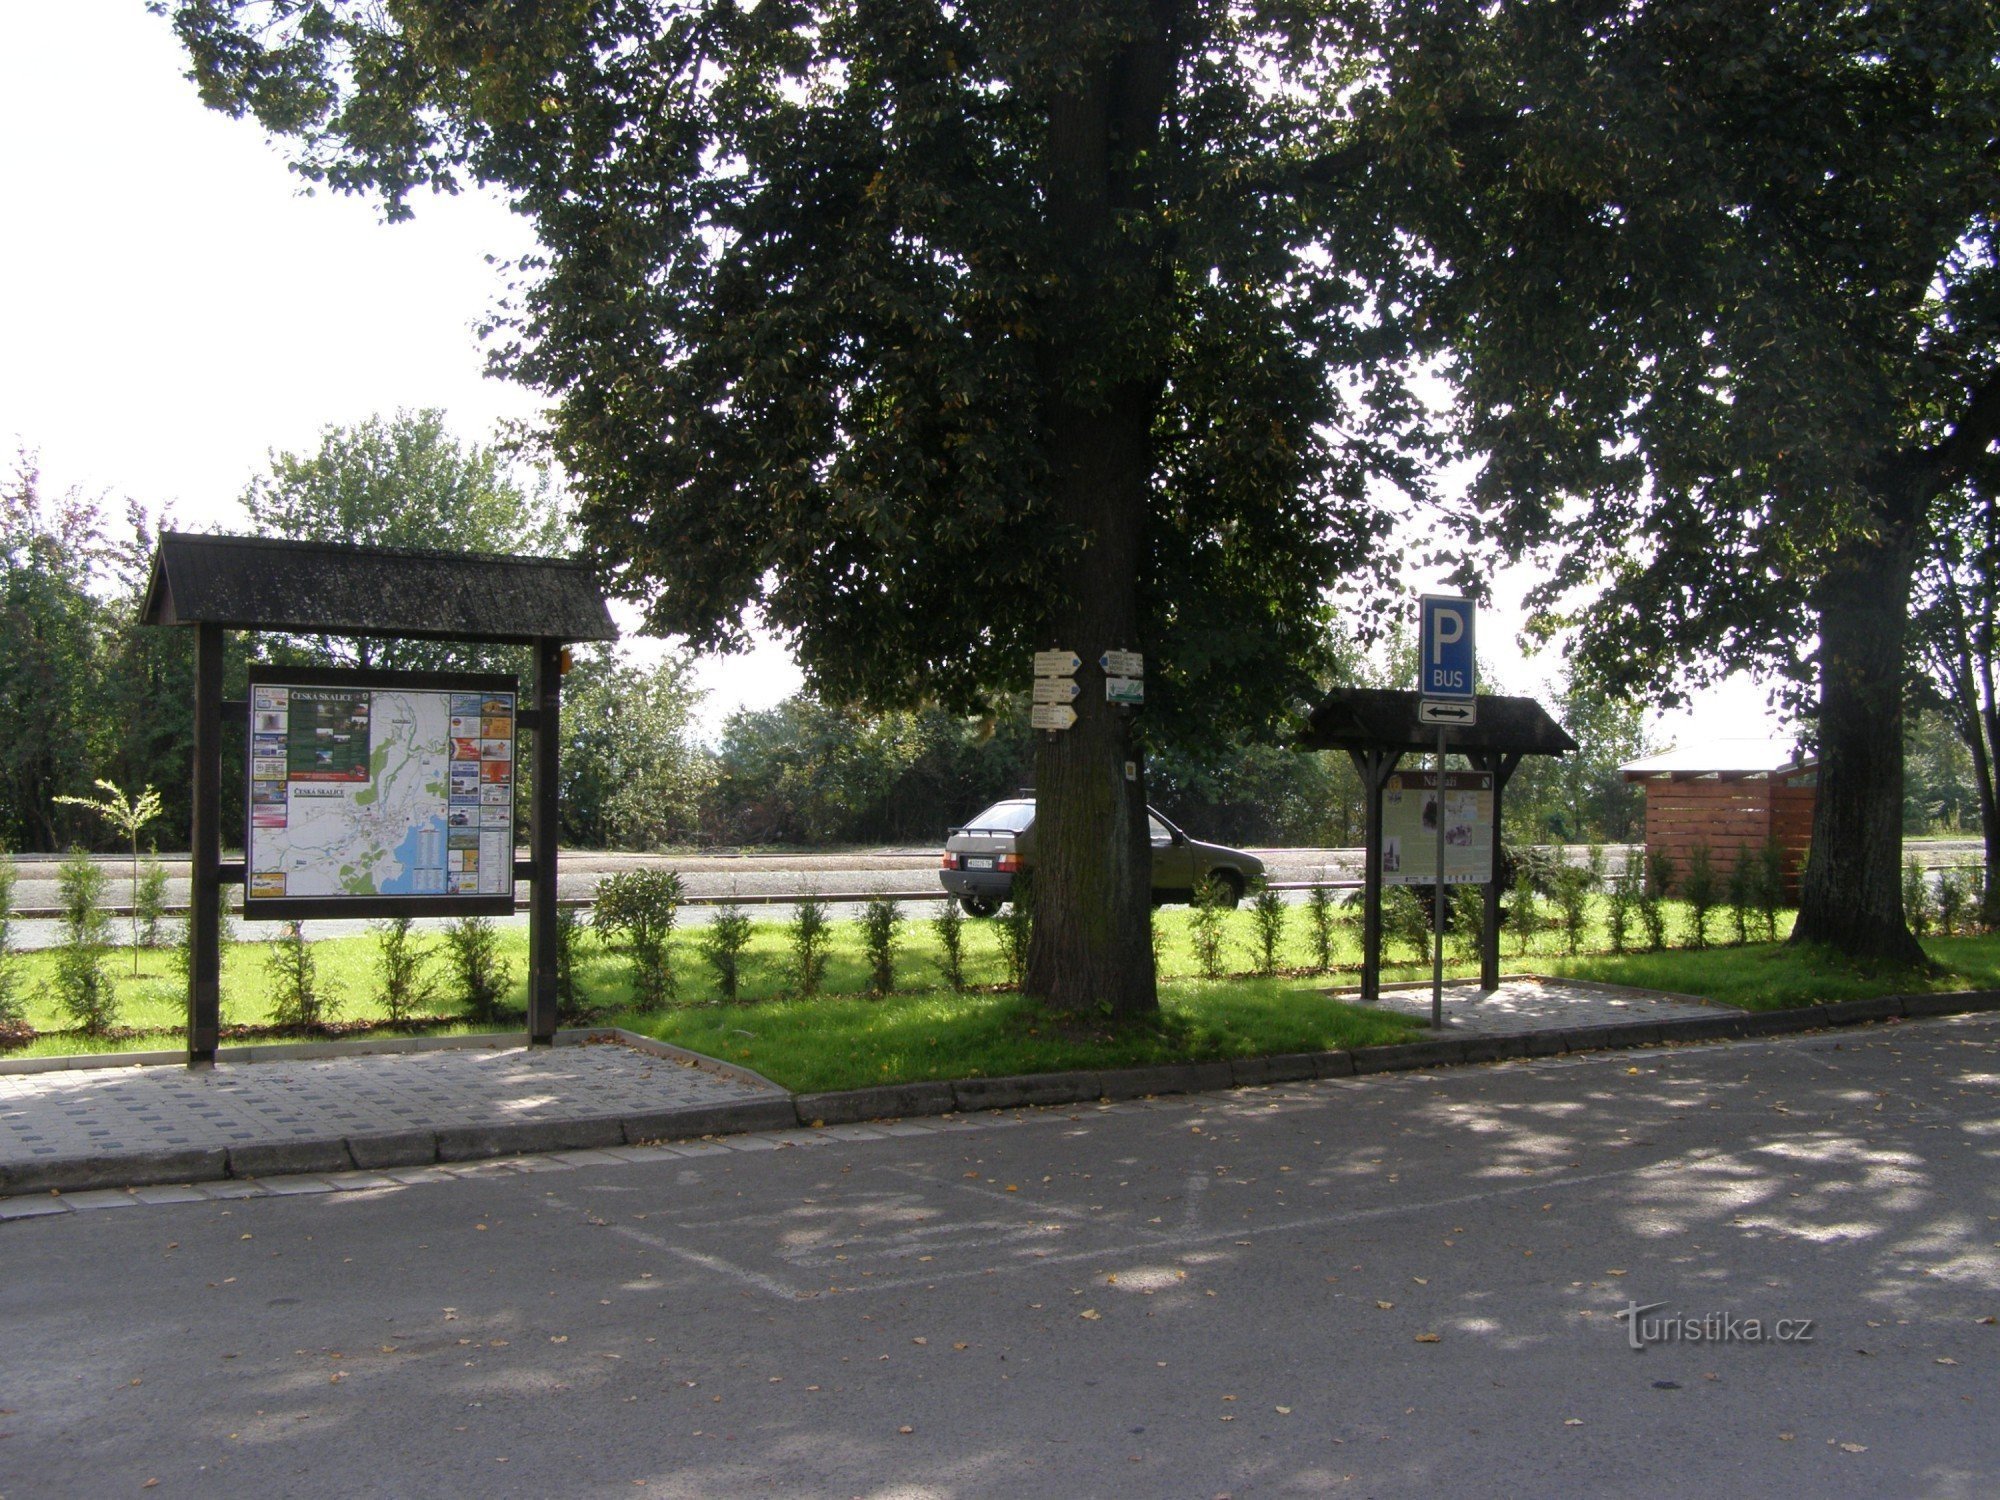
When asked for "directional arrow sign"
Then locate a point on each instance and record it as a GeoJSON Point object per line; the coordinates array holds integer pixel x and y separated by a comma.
{"type": "Point", "coordinates": [1122, 664]}
{"type": "Point", "coordinates": [1057, 663]}
{"type": "Point", "coordinates": [1052, 716]}
{"type": "Point", "coordinates": [1056, 689]}
{"type": "Point", "coordinates": [1448, 711]}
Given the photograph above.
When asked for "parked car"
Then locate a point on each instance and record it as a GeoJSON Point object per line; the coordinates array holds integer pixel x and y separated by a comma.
{"type": "Point", "coordinates": [982, 858]}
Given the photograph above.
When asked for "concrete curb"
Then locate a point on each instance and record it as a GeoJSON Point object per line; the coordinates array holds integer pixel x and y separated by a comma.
{"type": "Point", "coordinates": [783, 1111]}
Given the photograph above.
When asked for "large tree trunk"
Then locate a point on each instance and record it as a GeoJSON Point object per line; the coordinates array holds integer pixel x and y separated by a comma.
{"type": "Point", "coordinates": [1852, 896]}
{"type": "Point", "coordinates": [1092, 944]}
{"type": "Point", "coordinates": [1092, 947]}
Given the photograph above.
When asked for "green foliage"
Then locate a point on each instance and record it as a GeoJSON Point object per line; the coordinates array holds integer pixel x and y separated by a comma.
{"type": "Point", "coordinates": [572, 937]}
{"type": "Point", "coordinates": [949, 928]}
{"type": "Point", "coordinates": [638, 909]}
{"type": "Point", "coordinates": [1573, 887]}
{"type": "Point", "coordinates": [1568, 799]}
{"type": "Point", "coordinates": [805, 771]}
{"type": "Point", "coordinates": [12, 1014]}
{"type": "Point", "coordinates": [1918, 908]}
{"type": "Point", "coordinates": [1740, 892]}
{"type": "Point", "coordinates": [83, 990]}
{"type": "Point", "coordinates": [1699, 888]}
{"type": "Point", "coordinates": [1406, 919]}
{"type": "Point", "coordinates": [1524, 919]}
{"type": "Point", "coordinates": [404, 982]}
{"type": "Point", "coordinates": [56, 635]}
{"type": "Point", "coordinates": [1808, 373]}
{"type": "Point", "coordinates": [480, 974]}
{"type": "Point", "coordinates": [1622, 896]}
{"type": "Point", "coordinates": [811, 934]}
{"type": "Point", "coordinates": [722, 943]}
{"type": "Point", "coordinates": [149, 902]}
{"type": "Point", "coordinates": [1017, 928]}
{"type": "Point", "coordinates": [879, 922]}
{"type": "Point", "coordinates": [1205, 929]}
{"type": "Point", "coordinates": [299, 1001]}
{"type": "Point", "coordinates": [1467, 919]}
{"type": "Point", "coordinates": [404, 481]}
{"type": "Point", "coordinates": [1659, 880]}
{"type": "Point", "coordinates": [1268, 912]}
{"type": "Point", "coordinates": [1955, 901]}
{"type": "Point", "coordinates": [1319, 917]}
{"type": "Point", "coordinates": [633, 775]}
{"type": "Point", "coordinates": [129, 815]}
{"type": "Point", "coordinates": [1770, 886]}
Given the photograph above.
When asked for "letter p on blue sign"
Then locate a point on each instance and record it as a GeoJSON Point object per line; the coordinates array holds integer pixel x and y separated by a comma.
{"type": "Point", "coordinates": [1445, 648]}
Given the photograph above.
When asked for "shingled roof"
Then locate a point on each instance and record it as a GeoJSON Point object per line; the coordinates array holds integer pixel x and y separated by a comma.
{"type": "Point", "coordinates": [1385, 719]}
{"type": "Point", "coordinates": [335, 588]}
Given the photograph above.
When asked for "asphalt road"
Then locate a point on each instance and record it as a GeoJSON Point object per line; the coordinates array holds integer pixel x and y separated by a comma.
{"type": "Point", "coordinates": [1407, 1285]}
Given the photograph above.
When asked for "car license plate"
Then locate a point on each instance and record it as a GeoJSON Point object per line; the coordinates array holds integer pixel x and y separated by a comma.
{"type": "Point", "coordinates": [978, 864]}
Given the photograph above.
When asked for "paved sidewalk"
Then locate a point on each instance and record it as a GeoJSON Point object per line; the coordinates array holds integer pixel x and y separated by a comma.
{"type": "Point", "coordinates": [84, 1127]}
{"type": "Point", "coordinates": [1529, 1004]}
{"type": "Point", "coordinates": [430, 1105]}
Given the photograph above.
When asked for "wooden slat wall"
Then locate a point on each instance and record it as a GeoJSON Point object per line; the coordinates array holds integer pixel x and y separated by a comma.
{"type": "Point", "coordinates": [1730, 817]}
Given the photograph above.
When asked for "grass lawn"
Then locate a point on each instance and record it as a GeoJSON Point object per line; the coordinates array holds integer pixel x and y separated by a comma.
{"type": "Point", "coordinates": [847, 1038]}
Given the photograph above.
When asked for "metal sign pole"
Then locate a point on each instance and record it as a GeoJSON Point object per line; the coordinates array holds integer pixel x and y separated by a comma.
{"type": "Point", "coordinates": [1437, 908]}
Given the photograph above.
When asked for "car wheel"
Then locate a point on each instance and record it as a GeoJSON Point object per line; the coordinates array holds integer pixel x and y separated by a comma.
{"type": "Point", "coordinates": [979, 906]}
{"type": "Point", "coordinates": [1228, 887]}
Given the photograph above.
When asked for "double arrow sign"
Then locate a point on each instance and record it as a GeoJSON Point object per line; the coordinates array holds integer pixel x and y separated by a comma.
{"type": "Point", "coordinates": [1445, 711]}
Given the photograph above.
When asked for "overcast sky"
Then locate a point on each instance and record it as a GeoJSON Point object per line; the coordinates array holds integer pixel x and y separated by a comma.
{"type": "Point", "coordinates": [172, 307]}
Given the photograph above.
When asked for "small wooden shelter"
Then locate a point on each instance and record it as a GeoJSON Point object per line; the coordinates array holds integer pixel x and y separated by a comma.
{"type": "Point", "coordinates": [1377, 727]}
{"type": "Point", "coordinates": [1731, 796]}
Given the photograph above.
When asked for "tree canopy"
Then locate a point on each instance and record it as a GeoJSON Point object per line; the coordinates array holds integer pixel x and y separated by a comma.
{"type": "Point", "coordinates": [927, 334]}
{"type": "Point", "coordinates": [1719, 286]}
{"type": "Point", "coordinates": [404, 481]}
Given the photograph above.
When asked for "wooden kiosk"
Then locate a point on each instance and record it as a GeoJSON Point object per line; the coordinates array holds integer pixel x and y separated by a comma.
{"type": "Point", "coordinates": [220, 583]}
{"type": "Point", "coordinates": [1377, 727]}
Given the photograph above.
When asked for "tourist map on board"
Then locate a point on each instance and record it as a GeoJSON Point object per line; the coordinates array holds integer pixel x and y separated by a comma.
{"type": "Point", "coordinates": [369, 791]}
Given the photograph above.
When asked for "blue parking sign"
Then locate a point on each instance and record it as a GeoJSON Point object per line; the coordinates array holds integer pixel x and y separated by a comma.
{"type": "Point", "coordinates": [1445, 651]}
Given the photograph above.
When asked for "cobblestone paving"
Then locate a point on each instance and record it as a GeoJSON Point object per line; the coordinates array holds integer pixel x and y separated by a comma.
{"type": "Point", "coordinates": [1541, 1005]}
{"type": "Point", "coordinates": [111, 1111]}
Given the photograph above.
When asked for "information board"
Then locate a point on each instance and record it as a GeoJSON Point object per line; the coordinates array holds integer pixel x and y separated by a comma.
{"type": "Point", "coordinates": [1410, 811]}
{"type": "Point", "coordinates": [379, 793]}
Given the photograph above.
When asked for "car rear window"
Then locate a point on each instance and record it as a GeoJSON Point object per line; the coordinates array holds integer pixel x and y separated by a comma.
{"type": "Point", "coordinates": [1004, 817]}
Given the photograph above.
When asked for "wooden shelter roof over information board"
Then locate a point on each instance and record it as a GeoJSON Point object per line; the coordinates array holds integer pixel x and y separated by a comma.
{"type": "Point", "coordinates": [336, 588]}
{"type": "Point", "coordinates": [1386, 719]}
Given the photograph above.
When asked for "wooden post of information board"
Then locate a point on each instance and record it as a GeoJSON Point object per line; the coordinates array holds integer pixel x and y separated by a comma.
{"type": "Point", "coordinates": [205, 834]}
{"type": "Point", "coordinates": [543, 939]}
{"type": "Point", "coordinates": [1374, 767]}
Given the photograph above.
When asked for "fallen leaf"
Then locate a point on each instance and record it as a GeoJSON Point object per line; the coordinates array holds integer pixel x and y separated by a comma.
{"type": "Point", "coordinates": [1091, 1314]}
{"type": "Point", "coordinates": [1572, 1421]}
{"type": "Point", "coordinates": [1427, 1338]}
{"type": "Point", "coordinates": [1853, 1447]}
{"type": "Point", "coordinates": [920, 1341]}
{"type": "Point", "coordinates": [906, 1431]}
{"type": "Point", "coordinates": [1283, 1411]}
{"type": "Point", "coordinates": [1385, 1306]}
{"type": "Point", "coordinates": [1947, 1361]}
{"type": "Point", "coordinates": [558, 1338]}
